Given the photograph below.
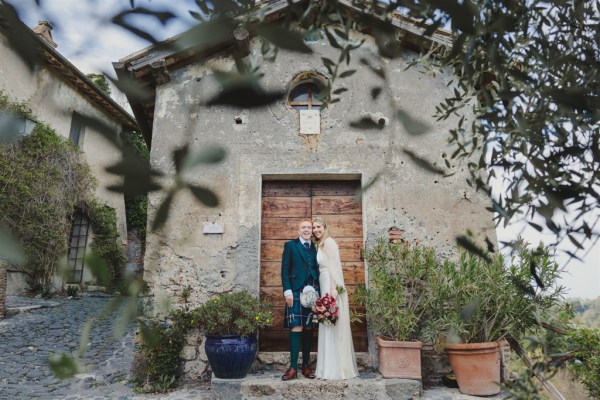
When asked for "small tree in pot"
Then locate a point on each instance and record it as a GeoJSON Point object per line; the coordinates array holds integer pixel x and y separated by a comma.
{"type": "Point", "coordinates": [396, 301]}
{"type": "Point", "coordinates": [480, 300]}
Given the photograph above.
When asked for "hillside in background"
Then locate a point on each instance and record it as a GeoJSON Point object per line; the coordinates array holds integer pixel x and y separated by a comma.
{"type": "Point", "coordinates": [587, 312]}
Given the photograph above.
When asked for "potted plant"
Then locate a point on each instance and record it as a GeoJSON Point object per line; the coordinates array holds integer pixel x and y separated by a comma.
{"type": "Point", "coordinates": [230, 322]}
{"type": "Point", "coordinates": [478, 301]}
{"type": "Point", "coordinates": [396, 301]}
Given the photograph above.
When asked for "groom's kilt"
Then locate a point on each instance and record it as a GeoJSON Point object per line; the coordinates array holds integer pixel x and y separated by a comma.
{"type": "Point", "coordinates": [296, 315]}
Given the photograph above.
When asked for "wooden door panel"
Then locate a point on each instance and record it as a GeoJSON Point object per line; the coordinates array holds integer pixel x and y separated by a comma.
{"type": "Point", "coordinates": [335, 205]}
{"type": "Point", "coordinates": [344, 225]}
{"type": "Point", "coordinates": [271, 250]}
{"type": "Point", "coordinates": [335, 188]}
{"type": "Point", "coordinates": [286, 189]}
{"type": "Point", "coordinates": [350, 249]}
{"type": "Point", "coordinates": [280, 228]}
{"type": "Point", "coordinates": [286, 207]}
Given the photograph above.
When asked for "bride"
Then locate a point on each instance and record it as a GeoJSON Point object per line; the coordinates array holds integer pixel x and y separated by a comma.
{"type": "Point", "coordinates": [335, 357]}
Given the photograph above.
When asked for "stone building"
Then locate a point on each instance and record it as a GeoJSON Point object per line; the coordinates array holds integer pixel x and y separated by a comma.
{"type": "Point", "coordinates": [62, 96]}
{"type": "Point", "coordinates": [294, 159]}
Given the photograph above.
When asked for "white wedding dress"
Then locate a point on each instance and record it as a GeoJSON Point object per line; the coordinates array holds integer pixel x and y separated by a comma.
{"type": "Point", "coordinates": [335, 356]}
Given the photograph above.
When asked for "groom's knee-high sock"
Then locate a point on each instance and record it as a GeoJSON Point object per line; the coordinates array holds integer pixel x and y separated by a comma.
{"type": "Point", "coordinates": [307, 337]}
{"type": "Point", "coordinates": [295, 338]}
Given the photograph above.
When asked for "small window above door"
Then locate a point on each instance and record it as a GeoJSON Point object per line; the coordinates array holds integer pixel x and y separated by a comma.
{"type": "Point", "coordinates": [306, 97]}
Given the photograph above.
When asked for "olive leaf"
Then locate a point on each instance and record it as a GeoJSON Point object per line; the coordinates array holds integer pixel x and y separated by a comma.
{"type": "Point", "coordinates": [63, 366]}
{"type": "Point", "coordinates": [284, 38]}
{"type": "Point", "coordinates": [412, 125]}
{"type": "Point", "coordinates": [10, 248]}
{"type": "Point", "coordinates": [205, 196]}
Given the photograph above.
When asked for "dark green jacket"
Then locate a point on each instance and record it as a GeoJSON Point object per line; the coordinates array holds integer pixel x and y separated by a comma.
{"type": "Point", "coordinates": [297, 264]}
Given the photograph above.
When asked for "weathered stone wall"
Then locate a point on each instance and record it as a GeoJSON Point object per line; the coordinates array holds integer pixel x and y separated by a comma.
{"type": "Point", "coordinates": [267, 145]}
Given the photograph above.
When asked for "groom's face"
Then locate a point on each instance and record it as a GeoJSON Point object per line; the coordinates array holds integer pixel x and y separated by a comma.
{"type": "Point", "coordinates": [305, 230]}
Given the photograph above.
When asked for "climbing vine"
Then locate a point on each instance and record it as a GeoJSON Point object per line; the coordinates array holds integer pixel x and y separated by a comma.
{"type": "Point", "coordinates": [105, 244]}
{"type": "Point", "coordinates": [44, 179]}
{"type": "Point", "coordinates": [137, 206]}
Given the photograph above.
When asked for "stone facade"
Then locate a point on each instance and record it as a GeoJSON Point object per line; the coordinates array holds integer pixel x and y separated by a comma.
{"type": "Point", "coordinates": [427, 207]}
{"type": "Point", "coordinates": [266, 144]}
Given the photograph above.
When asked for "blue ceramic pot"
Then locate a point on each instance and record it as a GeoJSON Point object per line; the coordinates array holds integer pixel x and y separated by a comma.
{"type": "Point", "coordinates": [230, 356]}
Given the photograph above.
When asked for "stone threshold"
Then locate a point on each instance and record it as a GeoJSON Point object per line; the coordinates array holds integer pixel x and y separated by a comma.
{"type": "Point", "coordinates": [268, 385]}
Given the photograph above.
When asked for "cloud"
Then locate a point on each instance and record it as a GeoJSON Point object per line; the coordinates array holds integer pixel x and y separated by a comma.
{"type": "Point", "coordinates": [87, 38]}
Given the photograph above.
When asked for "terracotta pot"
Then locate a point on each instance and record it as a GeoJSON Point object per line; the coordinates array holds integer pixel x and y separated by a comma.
{"type": "Point", "coordinates": [476, 367]}
{"type": "Point", "coordinates": [399, 359]}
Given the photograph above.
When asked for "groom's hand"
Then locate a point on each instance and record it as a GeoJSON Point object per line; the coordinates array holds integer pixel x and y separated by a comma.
{"type": "Point", "coordinates": [289, 300]}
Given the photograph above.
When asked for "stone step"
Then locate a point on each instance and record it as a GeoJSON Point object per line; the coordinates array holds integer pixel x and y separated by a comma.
{"type": "Point", "coordinates": [268, 385]}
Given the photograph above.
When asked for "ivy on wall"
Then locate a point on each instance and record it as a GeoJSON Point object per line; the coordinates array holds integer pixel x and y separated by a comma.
{"type": "Point", "coordinates": [44, 179]}
{"type": "Point", "coordinates": [105, 244]}
{"type": "Point", "coordinates": [136, 207]}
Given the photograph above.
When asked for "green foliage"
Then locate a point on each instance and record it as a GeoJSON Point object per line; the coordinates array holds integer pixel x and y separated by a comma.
{"type": "Point", "coordinates": [100, 81]}
{"type": "Point", "coordinates": [530, 72]}
{"type": "Point", "coordinates": [43, 178]}
{"type": "Point", "coordinates": [72, 291]}
{"type": "Point", "coordinates": [474, 300]}
{"type": "Point", "coordinates": [587, 359]}
{"type": "Point", "coordinates": [136, 206]}
{"type": "Point", "coordinates": [106, 242]}
{"type": "Point", "coordinates": [236, 313]}
{"type": "Point", "coordinates": [62, 365]}
{"type": "Point", "coordinates": [398, 294]}
{"type": "Point", "coordinates": [160, 367]}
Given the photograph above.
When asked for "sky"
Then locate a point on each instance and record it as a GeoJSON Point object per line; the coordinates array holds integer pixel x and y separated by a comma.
{"type": "Point", "coordinates": [85, 36]}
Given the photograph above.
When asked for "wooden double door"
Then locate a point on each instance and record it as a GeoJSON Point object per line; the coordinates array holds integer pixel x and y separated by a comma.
{"type": "Point", "coordinates": [284, 205]}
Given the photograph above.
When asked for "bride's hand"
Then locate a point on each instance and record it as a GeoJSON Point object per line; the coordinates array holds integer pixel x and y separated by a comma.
{"type": "Point", "coordinates": [334, 293]}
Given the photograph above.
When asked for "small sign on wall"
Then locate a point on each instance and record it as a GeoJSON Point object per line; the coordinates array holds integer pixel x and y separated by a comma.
{"type": "Point", "coordinates": [211, 227]}
{"type": "Point", "coordinates": [310, 122]}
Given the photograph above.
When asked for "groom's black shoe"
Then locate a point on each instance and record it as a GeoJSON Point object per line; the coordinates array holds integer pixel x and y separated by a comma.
{"type": "Point", "coordinates": [308, 372]}
{"type": "Point", "coordinates": [291, 373]}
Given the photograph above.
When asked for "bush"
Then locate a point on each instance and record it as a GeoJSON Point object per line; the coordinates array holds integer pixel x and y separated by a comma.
{"type": "Point", "coordinates": [237, 313]}
{"type": "Point", "coordinates": [397, 296]}
{"type": "Point", "coordinates": [478, 300]}
{"type": "Point", "coordinates": [160, 349]}
{"type": "Point", "coordinates": [587, 359]}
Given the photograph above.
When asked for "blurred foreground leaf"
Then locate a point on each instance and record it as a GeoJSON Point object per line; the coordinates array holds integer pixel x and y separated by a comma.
{"type": "Point", "coordinates": [10, 249]}
{"type": "Point", "coordinates": [63, 366]}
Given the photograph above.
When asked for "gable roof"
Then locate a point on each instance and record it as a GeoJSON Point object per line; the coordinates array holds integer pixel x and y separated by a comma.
{"type": "Point", "coordinates": [150, 67]}
{"type": "Point", "coordinates": [77, 79]}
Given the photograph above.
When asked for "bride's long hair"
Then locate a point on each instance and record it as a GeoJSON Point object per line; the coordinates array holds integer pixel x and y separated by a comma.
{"type": "Point", "coordinates": [326, 234]}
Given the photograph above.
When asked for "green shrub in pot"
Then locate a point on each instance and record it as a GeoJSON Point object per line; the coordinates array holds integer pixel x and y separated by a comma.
{"type": "Point", "coordinates": [396, 301]}
{"type": "Point", "coordinates": [477, 300]}
{"type": "Point", "coordinates": [398, 293]}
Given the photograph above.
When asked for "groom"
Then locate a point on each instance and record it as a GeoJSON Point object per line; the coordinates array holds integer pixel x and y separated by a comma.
{"type": "Point", "coordinates": [299, 269]}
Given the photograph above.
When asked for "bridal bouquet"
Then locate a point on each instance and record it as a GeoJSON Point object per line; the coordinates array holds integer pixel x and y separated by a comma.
{"type": "Point", "coordinates": [325, 311]}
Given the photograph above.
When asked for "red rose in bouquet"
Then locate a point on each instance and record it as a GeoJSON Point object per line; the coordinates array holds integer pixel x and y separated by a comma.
{"type": "Point", "coordinates": [325, 311]}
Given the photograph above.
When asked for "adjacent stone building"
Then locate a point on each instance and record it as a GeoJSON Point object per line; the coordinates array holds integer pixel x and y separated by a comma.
{"type": "Point", "coordinates": [294, 159]}
{"type": "Point", "coordinates": [63, 97]}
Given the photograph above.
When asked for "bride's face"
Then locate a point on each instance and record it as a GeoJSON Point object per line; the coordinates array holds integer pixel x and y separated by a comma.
{"type": "Point", "coordinates": [318, 230]}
